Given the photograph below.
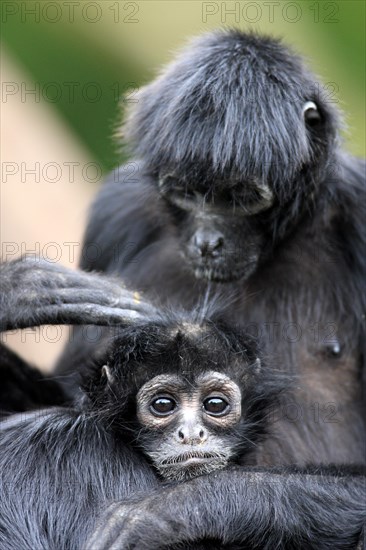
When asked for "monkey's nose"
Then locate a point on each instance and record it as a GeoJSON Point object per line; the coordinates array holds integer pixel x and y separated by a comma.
{"type": "Point", "coordinates": [192, 435]}
{"type": "Point", "coordinates": [208, 243]}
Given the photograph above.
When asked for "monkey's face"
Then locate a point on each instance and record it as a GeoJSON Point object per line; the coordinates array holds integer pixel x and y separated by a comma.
{"type": "Point", "coordinates": [222, 237]}
{"type": "Point", "coordinates": [190, 392]}
{"type": "Point", "coordinates": [189, 429]}
{"type": "Point", "coordinates": [228, 220]}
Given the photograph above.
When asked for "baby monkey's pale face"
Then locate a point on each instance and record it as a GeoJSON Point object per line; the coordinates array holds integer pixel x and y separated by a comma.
{"type": "Point", "coordinates": [189, 428]}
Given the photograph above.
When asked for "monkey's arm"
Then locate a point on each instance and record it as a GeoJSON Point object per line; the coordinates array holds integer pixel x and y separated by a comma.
{"type": "Point", "coordinates": [58, 469]}
{"type": "Point", "coordinates": [22, 387]}
{"type": "Point", "coordinates": [323, 509]}
{"type": "Point", "coordinates": [37, 292]}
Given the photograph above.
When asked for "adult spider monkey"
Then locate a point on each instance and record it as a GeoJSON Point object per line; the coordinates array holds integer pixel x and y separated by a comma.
{"type": "Point", "coordinates": [240, 179]}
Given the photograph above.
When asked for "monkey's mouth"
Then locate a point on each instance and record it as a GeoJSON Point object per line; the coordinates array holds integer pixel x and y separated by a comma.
{"type": "Point", "coordinates": [189, 458]}
{"type": "Point", "coordinates": [190, 464]}
{"type": "Point", "coordinates": [218, 274]}
{"type": "Point", "coordinates": [226, 269]}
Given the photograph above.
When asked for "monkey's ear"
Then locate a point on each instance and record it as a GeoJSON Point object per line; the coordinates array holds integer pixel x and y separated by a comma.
{"type": "Point", "coordinates": [106, 373]}
{"type": "Point", "coordinates": [311, 113]}
{"type": "Point", "coordinates": [257, 367]}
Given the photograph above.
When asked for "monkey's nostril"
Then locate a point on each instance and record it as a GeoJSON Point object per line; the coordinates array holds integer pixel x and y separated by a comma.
{"type": "Point", "coordinates": [202, 433]}
{"type": "Point", "coordinates": [219, 243]}
{"type": "Point", "coordinates": [208, 244]}
{"type": "Point", "coordinates": [204, 249]}
{"type": "Point", "coordinates": [181, 434]}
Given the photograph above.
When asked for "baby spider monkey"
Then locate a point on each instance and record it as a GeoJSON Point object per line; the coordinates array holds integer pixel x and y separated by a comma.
{"type": "Point", "coordinates": [193, 396]}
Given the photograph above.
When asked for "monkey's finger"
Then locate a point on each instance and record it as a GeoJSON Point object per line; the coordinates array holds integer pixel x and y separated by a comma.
{"type": "Point", "coordinates": [103, 537]}
{"type": "Point", "coordinates": [108, 528]}
{"type": "Point", "coordinates": [92, 314]}
{"type": "Point", "coordinates": [29, 274]}
{"type": "Point", "coordinates": [73, 314]}
{"type": "Point", "coordinates": [137, 527]}
{"type": "Point", "coordinates": [125, 299]}
{"type": "Point", "coordinates": [131, 540]}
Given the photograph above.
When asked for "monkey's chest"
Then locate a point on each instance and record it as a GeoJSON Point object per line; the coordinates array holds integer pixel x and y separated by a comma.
{"type": "Point", "coordinates": [322, 417]}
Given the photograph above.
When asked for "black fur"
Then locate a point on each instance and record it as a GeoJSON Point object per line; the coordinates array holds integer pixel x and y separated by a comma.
{"type": "Point", "coordinates": [23, 388]}
{"type": "Point", "coordinates": [229, 112]}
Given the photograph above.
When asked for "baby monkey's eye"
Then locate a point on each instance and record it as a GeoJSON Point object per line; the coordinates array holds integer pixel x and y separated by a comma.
{"type": "Point", "coordinates": [216, 406]}
{"type": "Point", "coordinates": [162, 406]}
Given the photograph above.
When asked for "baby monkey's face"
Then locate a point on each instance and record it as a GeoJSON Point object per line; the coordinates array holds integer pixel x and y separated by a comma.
{"type": "Point", "coordinates": [189, 428]}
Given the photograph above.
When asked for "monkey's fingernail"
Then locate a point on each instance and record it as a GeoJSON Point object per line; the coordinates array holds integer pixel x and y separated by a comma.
{"type": "Point", "coordinates": [137, 297]}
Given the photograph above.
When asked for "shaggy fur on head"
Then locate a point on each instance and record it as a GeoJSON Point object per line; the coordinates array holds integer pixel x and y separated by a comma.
{"type": "Point", "coordinates": [187, 346]}
{"type": "Point", "coordinates": [233, 101]}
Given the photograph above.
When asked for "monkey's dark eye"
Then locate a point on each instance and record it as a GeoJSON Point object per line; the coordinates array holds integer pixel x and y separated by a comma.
{"type": "Point", "coordinates": [216, 406]}
{"type": "Point", "coordinates": [162, 406]}
{"type": "Point", "coordinates": [175, 190]}
{"type": "Point", "coordinates": [312, 116]}
{"type": "Point", "coordinates": [167, 181]}
{"type": "Point", "coordinates": [183, 192]}
{"type": "Point", "coordinates": [167, 184]}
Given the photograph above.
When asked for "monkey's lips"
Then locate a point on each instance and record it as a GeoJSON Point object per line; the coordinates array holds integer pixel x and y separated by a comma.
{"type": "Point", "coordinates": [189, 458]}
{"type": "Point", "coordinates": [219, 274]}
{"type": "Point", "coordinates": [222, 270]}
{"type": "Point", "coordinates": [184, 466]}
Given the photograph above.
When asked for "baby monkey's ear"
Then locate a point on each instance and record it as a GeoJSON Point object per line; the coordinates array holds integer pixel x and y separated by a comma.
{"type": "Point", "coordinates": [107, 374]}
{"type": "Point", "coordinates": [257, 366]}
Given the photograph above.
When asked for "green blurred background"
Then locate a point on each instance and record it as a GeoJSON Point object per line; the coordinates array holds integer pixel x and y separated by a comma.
{"type": "Point", "coordinates": [83, 55]}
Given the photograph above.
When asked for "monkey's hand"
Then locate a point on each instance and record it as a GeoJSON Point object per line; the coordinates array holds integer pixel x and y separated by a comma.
{"type": "Point", "coordinates": [136, 525]}
{"type": "Point", "coordinates": [38, 292]}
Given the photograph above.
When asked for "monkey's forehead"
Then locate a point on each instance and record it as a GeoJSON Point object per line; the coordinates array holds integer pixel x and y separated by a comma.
{"type": "Point", "coordinates": [170, 382]}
